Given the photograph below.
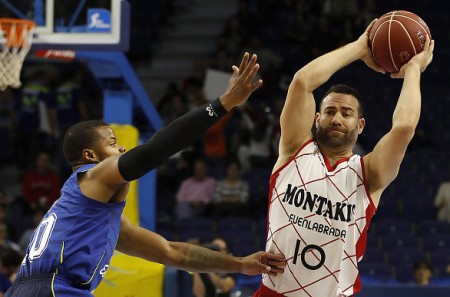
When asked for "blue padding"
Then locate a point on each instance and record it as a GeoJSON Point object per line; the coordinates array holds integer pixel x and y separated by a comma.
{"type": "Point", "coordinates": [118, 107]}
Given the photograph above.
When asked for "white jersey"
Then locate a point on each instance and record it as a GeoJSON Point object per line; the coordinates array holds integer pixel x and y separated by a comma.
{"type": "Point", "coordinates": [318, 218]}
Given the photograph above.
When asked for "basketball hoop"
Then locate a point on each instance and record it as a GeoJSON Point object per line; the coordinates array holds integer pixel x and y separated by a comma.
{"type": "Point", "coordinates": [16, 37]}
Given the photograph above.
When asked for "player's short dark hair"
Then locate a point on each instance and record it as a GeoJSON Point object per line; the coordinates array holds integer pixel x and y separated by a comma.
{"type": "Point", "coordinates": [79, 137]}
{"type": "Point", "coordinates": [347, 90]}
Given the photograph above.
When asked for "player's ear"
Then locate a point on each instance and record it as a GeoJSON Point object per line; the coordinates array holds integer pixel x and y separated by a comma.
{"type": "Point", "coordinates": [316, 122]}
{"type": "Point", "coordinates": [90, 156]}
{"type": "Point", "coordinates": [361, 125]}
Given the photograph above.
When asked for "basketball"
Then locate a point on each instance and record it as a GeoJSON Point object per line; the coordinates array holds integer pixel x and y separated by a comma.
{"type": "Point", "coordinates": [396, 37]}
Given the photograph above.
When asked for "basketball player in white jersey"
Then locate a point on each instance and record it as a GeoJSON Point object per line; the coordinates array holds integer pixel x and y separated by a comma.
{"type": "Point", "coordinates": [322, 196]}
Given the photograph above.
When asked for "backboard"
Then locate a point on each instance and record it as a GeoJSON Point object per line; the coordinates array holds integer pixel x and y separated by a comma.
{"type": "Point", "coordinates": [74, 24]}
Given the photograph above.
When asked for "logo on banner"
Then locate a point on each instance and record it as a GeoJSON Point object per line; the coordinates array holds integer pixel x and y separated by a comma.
{"type": "Point", "coordinates": [99, 20]}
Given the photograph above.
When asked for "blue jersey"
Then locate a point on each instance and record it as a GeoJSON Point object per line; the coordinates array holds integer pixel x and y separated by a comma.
{"type": "Point", "coordinates": [74, 241]}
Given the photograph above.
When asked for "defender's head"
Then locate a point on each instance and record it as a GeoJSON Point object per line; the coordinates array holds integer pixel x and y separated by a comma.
{"type": "Point", "coordinates": [340, 119]}
{"type": "Point", "coordinates": [90, 142]}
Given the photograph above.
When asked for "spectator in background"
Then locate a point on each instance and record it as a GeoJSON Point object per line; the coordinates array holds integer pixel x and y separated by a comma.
{"type": "Point", "coordinates": [322, 39]}
{"type": "Point", "coordinates": [67, 106]}
{"type": "Point", "coordinates": [215, 143]}
{"type": "Point", "coordinates": [25, 238]}
{"type": "Point", "coordinates": [214, 284]}
{"type": "Point", "coordinates": [3, 197]}
{"type": "Point", "coordinates": [5, 242]}
{"type": "Point", "coordinates": [34, 95]}
{"type": "Point", "coordinates": [10, 263]}
{"type": "Point", "coordinates": [6, 123]}
{"type": "Point", "coordinates": [442, 202]}
{"type": "Point", "coordinates": [298, 28]}
{"type": "Point", "coordinates": [422, 273]}
{"type": "Point", "coordinates": [41, 185]}
{"type": "Point", "coordinates": [177, 107]}
{"type": "Point", "coordinates": [224, 282]}
{"type": "Point", "coordinates": [260, 124]}
{"type": "Point", "coordinates": [235, 35]}
{"type": "Point", "coordinates": [231, 193]}
{"type": "Point", "coordinates": [195, 192]}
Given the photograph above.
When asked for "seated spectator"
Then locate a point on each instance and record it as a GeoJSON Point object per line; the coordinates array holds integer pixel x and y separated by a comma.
{"type": "Point", "coordinates": [224, 282]}
{"type": "Point", "coordinates": [442, 202]}
{"type": "Point", "coordinates": [231, 193]}
{"type": "Point", "coordinates": [10, 263]}
{"type": "Point", "coordinates": [422, 273]}
{"type": "Point", "coordinates": [41, 185]}
{"type": "Point", "coordinates": [5, 242]}
{"type": "Point", "coordinates": [195, 192]}
{"type": "Point", "coordinates": [213, 284]}
{"type": "Point", "coordinates": [38, 214]}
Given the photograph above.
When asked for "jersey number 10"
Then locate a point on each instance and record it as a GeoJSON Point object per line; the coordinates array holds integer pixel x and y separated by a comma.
{"type": "Point", "coordinates": [309, 247]}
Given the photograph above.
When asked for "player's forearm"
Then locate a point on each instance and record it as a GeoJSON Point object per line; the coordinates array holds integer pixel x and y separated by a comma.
{"type": "Point", "coordinates": [199, 259]}
{"type": "Point", "coordinates": [407, 111]}
{"type": "Point", "coordinates": [169, 140]}
{"type": "Point", "coordinates": [318, 71]}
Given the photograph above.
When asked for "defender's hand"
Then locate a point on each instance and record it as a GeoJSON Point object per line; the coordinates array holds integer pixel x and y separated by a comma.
{"type": "Point", "coordinates": [263, 262]}
{"type": "Point", "coordinates": [241, 85]}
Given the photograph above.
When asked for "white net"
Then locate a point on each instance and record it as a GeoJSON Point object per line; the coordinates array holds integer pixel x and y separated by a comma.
{"type": "Point", "coordinates": [16, 37]}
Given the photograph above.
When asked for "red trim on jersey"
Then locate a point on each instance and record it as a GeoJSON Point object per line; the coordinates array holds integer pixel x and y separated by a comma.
{"type": "Point", "coordinates": [366, 186]}
{"type": "Point", "coordinates": [291, 158]}
{"type": "Point", "coordinates": [328, 164]}
{"type": "Point", "coordinates": [271, 187]}
{"type": "Point", "coordinates": [264, 291]}
{"type": "Point", "coordinates": [362, 241]}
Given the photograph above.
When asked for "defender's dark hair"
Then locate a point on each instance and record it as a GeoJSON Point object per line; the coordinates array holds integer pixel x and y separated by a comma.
{"type": "Point", "coordinates": [344, 89]}
{"type": "Point", "coordinates": [79, 137]}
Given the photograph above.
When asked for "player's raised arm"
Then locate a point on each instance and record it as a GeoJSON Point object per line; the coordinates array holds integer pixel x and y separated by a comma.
{"type": "Point", "coordinates": [114, 171]}
{"type": "Point", "coordinates": [298, 112]}
{"type": "Point", "coordinates": [383, 163]}
{"type": "Point", "coordinates": [140, 242]}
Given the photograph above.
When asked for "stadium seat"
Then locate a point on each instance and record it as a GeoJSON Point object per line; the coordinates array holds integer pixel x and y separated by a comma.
{"type": "Point", "coordinates": [404, 272]}
{"type": "Point", "coordinates": [405, 255]}
{"type": "Point", "coordinates": [168, 234]}
{"type": "Point", "coordinates": [204, 236]}
{"type": "Point", "coordinates": [380, 272]}
{"type": "Point", "coordinates": [437, 241]}
{"type": "Point", "coordinates": [393, 241]}
{"type": "Point", "coordinates": [234, 223]}
{"type": "Point", "coordinates": [428, 227]}
{"type": "Point", "coordinates": [196, 223]}
{"type": "Point", "coordinates": [374, 255]}
{"type": "Point", "coordinates": [393, 226]}
{"type": "Point", "coordinates": [440, 259]}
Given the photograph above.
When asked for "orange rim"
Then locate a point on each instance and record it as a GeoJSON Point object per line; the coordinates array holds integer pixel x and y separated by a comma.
{"type": "Point", "coordinates": [16, 37]}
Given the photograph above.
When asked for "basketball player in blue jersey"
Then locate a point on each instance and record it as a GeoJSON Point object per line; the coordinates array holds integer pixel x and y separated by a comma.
{"type": "Point", "coordinates": [71, 248]}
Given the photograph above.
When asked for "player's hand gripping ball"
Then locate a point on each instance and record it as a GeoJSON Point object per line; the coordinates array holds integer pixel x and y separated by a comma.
{"type": "Point", "coordinates": [396, 37]}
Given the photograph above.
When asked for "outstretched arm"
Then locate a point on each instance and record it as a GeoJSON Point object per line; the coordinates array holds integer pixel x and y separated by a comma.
{"type": "Point", "coordinates": [383, 163]}
{"type": "Point", "coordinates": [140, 242]}
{"type": "Point", "coordinates": [298, 112]}
{"type": "Point", "coordinates": [109, 174]}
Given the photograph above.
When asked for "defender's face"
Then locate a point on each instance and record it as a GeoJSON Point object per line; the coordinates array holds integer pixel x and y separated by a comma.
{"type": "Point", "coordinates": [338, 123]}
{"type": "Point", "coordinates": [107, 144]}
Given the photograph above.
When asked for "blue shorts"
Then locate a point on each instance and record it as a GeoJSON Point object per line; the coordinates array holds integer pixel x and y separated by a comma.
{"type": "Point", "coordinates": [32, 286]}
{"type": "Point", "coordinates": [44, 285]}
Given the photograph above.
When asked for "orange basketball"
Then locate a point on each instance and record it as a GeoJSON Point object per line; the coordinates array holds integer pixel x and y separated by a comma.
{"type": "Point", "coordinates": [396, 37]}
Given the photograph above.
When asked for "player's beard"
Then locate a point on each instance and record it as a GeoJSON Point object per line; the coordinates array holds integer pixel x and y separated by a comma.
{"type": "Point", "coordinates": [348, 139]}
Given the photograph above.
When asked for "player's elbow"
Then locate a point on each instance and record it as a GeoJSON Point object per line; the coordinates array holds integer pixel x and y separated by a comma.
{"type": "Point", "coordinates": [404, 131]}
{"type": "Point", "coordinates": [302, 80]}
